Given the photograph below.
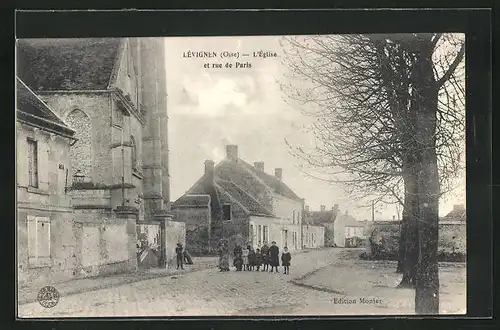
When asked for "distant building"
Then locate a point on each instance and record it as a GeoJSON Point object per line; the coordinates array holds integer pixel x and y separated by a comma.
{"type": "Point", "coordinates": [324, 218]}
{"type": "Point", "coordinates": [457, 215]}
{"type": "Point", "coordinates": [242, 202]}
{"type": "Point", "coordinates": [453, 231]}
{"type": "Point", "coordinates": [346, 228]}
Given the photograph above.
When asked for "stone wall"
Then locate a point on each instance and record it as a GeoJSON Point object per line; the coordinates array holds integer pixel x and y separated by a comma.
{"type": "Point", "coordinates": [97, 107]}
{"type": "Point", "coordinates": [93, 117]}
{"type": "Point", "coordinates": [96, 198]}
{"type": "Point", "coordinates": [192, 216]}
{"type": "Point", "coordinates": [452, 238]}
{"type": "Point", "coordinates": [235, 230]}
{"type": "Point", "coordinates": [175, 232]}
{"type": "Point", "coordinates": [81, 151]}
{"type": "Point", "coordinates": [197, 221]}
{"type": "Point", "coordinates": [106, 244]}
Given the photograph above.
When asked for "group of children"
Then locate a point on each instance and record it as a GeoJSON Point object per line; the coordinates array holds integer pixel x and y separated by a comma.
{"type": "Point", "coordinates": [249, 260]}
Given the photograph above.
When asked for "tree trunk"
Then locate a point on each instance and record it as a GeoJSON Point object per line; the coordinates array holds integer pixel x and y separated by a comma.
{"type": "Point", "coordinates": [401, 256]}
{"type": "Point", "coordinates": [409, 253]}
{"type": "Point", "coordinates": [426, 101]}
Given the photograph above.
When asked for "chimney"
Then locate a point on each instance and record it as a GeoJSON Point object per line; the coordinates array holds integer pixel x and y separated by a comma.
{"type": "Point", "coordinates": [232, 152]}
{"type": "Point", "coordinates": [306, 208]}
{"type": "Point", "coordinates": [393, 218]}
{"type": "Point", "coordinates": [209, 168]}
{"type": "Point", "coordinates": [322, 208]}
{"type": "Point", "coordinates": [278, 172]}
{"type": "Point", "coordinates": [259, 166]}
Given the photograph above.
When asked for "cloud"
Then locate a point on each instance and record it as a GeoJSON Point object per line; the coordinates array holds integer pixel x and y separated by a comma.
{"type": "Point", "coordinates": [211, 108]}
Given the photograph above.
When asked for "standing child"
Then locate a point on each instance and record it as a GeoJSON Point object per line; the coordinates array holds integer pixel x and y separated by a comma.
{"type": "Point", "coordinates": [244, 255]}
{"type": "Point", "coordinates": [285, 260]}
{"type": "Point", "coordinates": [265, 257]}
{"type": "Point", "coordinates": [251, 258]}
{"type": "Point", "coordinates": [258, 259]}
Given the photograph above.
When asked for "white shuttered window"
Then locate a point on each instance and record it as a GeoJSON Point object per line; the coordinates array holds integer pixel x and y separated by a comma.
{"type": "Point", "coordinates": [38, 239]}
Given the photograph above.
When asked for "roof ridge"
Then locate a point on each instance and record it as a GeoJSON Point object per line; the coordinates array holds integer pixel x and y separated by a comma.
{"type": "Point", "coordinates": [255, 175]}
{"type": "Point", "coordinates": [247, 194]}
{"type": "Point", "coordinates": [252, 170]}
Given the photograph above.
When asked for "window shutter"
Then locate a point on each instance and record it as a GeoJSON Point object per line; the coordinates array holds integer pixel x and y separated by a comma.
{"type": "Point", "coordinates": [43, 237]}
{"type": "Point", "coordinates": [31, 220]}
{"type": "Point", "coordinates": [42, 165]}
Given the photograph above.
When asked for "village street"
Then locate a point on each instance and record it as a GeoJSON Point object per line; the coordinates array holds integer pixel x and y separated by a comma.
{"type": "Point", "coordinates": [322, 282]}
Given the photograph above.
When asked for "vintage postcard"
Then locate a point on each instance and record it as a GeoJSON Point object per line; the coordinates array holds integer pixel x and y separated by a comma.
{"type": "Point", "coordinates": [312, 175]}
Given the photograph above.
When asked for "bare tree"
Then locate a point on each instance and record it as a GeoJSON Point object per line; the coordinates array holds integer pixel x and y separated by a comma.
{"type": "Point", "coordinates": [375, 98]}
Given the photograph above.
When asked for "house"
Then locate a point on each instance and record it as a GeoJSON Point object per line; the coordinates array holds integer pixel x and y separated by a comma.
{"type": "Point", "coordinates": [324, 218]}
{"type": "Point", "coordinates": [346, 228]}
{"type": "Point", "coordinates": [453, 231]}
{"type": "Point", "coordinates": [236, 200]}
{"type": "Point", "coordinates": [112, 93]}
{"type": "Point", "coordinates": [44, 208]}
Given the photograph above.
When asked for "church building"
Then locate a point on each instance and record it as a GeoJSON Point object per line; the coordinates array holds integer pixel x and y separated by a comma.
{"type": "Point", "coordinates": [111, 94]}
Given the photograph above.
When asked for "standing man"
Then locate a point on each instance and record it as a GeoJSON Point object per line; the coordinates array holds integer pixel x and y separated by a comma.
{"type": "Point", "coordinates": [274, 253]}
{"type": "Point", "coordinates": [180, 256]}
{"type": "Point", "coordinates": [265, 256]}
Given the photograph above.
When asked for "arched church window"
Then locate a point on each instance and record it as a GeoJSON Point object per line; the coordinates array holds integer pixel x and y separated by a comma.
{"type": "Point", "coordinates": [81, 151]}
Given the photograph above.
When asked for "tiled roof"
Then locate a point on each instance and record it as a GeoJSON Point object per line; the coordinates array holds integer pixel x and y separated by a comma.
{"type": "Point", "coordinates": [252, 205]}
{"type": "Point", "coordinates": [193, 200]}
{"type": "Point", "coordinates": [204, 186]}
{"type": "Point", "coordinates": [270, 180]}
{"type": "Point", "coordinates": [33, 110]}
{"type": "Point", "coordinates": [246, 180]}
{"type": "Point", "coordinates": [67, 64]}
{"type": "Point", "coordinates": [319, 217]}
{"type": "Point", "coordinates": [244, 184]}
{"type": "Point", "coordinates": [457, 214]}
{"type": "Point", "coordinates": [349, 220]}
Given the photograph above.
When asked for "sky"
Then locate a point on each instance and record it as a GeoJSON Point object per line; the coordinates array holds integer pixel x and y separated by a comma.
{"type": "Point", "coordinates": [210, 108]}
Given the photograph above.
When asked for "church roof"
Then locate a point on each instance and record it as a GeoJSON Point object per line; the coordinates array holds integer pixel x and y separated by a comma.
{"type": "Point", "coordinates": [67, 64]}
{"type": "Point", "coordinates": [31, 109]}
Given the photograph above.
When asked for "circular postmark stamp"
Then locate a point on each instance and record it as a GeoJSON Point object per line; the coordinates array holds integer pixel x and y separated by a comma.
{"type": "Point", "coordinates": [48, 296]}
